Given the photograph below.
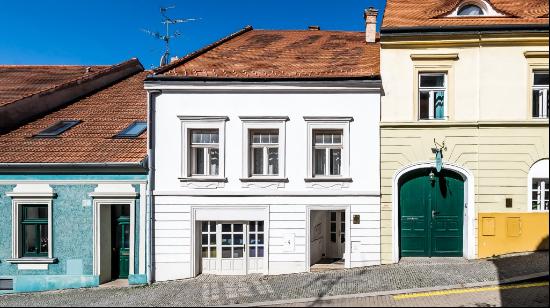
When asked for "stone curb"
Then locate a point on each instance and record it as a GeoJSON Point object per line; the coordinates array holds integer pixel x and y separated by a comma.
{"type": "Point", "coordinates": [394, 292]}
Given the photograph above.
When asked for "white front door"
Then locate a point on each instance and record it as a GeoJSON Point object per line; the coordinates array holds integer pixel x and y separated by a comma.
{"type": "Point", "coordinates": [337, 234]}
{"type": "Point", "coordinates": [232, 248]}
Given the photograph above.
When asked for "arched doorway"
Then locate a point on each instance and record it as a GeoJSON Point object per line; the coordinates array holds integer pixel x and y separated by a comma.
{"type": "Point", "coordinates": [431, 213]}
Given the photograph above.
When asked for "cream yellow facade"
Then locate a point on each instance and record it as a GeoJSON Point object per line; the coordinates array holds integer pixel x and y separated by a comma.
{"type": "Point", "coordinates": [489, 132]}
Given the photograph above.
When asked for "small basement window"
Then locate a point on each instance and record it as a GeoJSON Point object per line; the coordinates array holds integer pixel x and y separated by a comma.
{"type": "Point", "coordinates": [133, 130]}
{"type": "Point", "coordinates": [6, 284]}
{"type": "Point", "coordinates": [57, 129]}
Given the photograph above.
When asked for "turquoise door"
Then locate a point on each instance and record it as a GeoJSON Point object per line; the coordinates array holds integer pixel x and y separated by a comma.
{"type": "Point", "coordinates": [431, 212]}
{"type": "Point", "coordinates": [123, 246]}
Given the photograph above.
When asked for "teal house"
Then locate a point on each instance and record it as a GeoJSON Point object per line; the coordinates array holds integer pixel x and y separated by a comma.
{"type": "Point", "coordinates": [73, 177]}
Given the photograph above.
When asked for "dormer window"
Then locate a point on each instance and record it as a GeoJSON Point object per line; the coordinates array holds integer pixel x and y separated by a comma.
{"type": "Point", "coordinates": [474, 8]}
{"type": "Point", "coordinates": [470, 10]}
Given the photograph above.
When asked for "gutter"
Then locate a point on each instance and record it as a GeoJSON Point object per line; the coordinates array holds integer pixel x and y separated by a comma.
{"type": "Point", "coordinates": [259, 80]}
{"type": "Point", "coordinates": [472, 29]}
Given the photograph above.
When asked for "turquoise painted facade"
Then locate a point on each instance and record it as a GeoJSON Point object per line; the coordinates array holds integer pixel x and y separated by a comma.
{"type": "Point", "coordinates": [72, 232]}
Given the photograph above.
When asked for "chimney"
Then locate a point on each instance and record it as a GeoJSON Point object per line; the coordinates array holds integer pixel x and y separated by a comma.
{"type": "Point", "coordinates": [314, 28]}
{"type": "Point", "coordinates": [370, 24]}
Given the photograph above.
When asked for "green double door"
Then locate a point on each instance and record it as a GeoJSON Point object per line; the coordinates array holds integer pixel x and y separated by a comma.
{"type": "Point", "coordinates": [431, 214]}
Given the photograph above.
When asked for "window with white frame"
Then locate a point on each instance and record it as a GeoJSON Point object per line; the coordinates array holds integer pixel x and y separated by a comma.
{"type": "Point", "coordinates": [263, 156]}
{"type": "Point", "coordinates": [205, 152]}
{"type": "Point", "coordinates": [264, 152]}
{"type": "Point", "coordinates": [327, 153]}
{"type": "Point", "coordinates": [540, 100]}
{"type": "Point", "coordinates": [540, 194]}
{"type": "Point", "coordinates": [432, 96]}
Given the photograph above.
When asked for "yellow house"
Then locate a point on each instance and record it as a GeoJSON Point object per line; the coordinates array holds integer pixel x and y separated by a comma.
{"type": "Point", "coordinates": [464, 128]}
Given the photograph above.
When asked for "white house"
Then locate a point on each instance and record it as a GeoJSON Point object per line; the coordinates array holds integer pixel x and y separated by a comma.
{"type": "Point", "coordinates": [264, 154]}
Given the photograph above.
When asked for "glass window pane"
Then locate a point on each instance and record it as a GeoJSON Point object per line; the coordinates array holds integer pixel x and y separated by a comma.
{"type": "Point", "coordinates": [125, 244]}
{"type": "Point", "coordinates": [333, 237]}
{"type": "Point", "coordinates": [212, 239]}
{"type": "Point", "coordinates": [432, 81]}
{"type": "Point", "coordinates": [332, 227]}
{"type": "Point", "coordinates": [214, 161]}
{"type": "Point", "coordinates": [204, 226]}
{"type": "Point", "coordinates": [342, 238]}
{"type": "Point", "coordinates": [252, 226]}
{"type": "Point", "coordinates": [205, 239]}
{"type": "Point", "coordinates": [36, 212]}
{"type": "Point", "coordinates": [327, 138]}
{"type": "Point", "coordinates": [252, 252]}
{"type": "Point", "coordinates": [226, 239]}
{"type": "Point", "coordinates": [260, 226]}
{"type": "Point", "coordinates": [260, 252]}
{"type": "Point", "coordinates": [256, 137]}
{"type": "Point", "coordinates": [320, 161]}
{"type": "Point", "coordinates": [337, 138]}
{"type": "Point", "coordinates": [343, 217]}
{"type": "Point", "coordinates": [541, 79]}
{"type": "Point", "coordinates": [273, 161]}
{"type": "Point", "coordinates": [274, 137]}
{"type": "Point", "coordinates": [318, 138]}
{"type": "Point", "coordinates": [44, 239]}
{"type": "Point", "coordinates": [215, 137]}
{"type": "Point", "coordinates": [260, 239]}
{"type": "Point", "coordinates": [537, 96]}
{"type": "Point", "coordinates": [470, 10]}
{"type": "Point", "coordinates": [31, 237]}
{"type": "Point", "coordinates": [212, 226]}
{"type": "Point", "coordinates": [213, 252]}
{"type": "Point", "coordinates": [238, 252]}
{"type": "Point", "coordinates": [204, 252]}
{"type": "Point", "coordinates": [265, 138]}
{"type": "Point", "coordinates": [226, 227]}
{"type": "Point", "coordinates": [252, 239]}
{"type": "Point", "coordinates": [238, 227]}
{"type": "Point", "coordinates": [424, 108]}
{"type": "Point", "coordinates": [258, 156]}
{"type": "Point", "coordinates": [335, 161]}
{"type": "Point", "coordinates": [226, 252]}
{"type": "Point", "coordinates": [238, 239]}
{"type": "Point", "coordinates": [333, 216]}
{"type": "Point", "coordinates": [439, 104]}
{"type": "Point", "coordinates": [199, 160]}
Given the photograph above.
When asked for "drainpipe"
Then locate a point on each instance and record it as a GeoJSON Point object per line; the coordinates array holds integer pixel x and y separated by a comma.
{"type": "Point", "coordinates": [151, 95]}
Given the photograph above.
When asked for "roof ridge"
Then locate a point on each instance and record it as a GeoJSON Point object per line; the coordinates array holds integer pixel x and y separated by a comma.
{"type": "Point", "coordinates": [102, 71]}
{"type": "Point", "coordinates": [201, 51]}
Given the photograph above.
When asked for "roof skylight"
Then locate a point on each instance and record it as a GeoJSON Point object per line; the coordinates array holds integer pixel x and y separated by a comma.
{"type": "Point", "coordinates": [58, 128]}
{"type": "Point", "coordinates": [133, 130]}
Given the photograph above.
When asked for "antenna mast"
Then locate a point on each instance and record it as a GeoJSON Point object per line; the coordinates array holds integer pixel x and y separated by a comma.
{"type": "Point", "coordinates": [167, 21]}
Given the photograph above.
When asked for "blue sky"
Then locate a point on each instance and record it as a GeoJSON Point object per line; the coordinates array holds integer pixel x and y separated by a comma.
{"type": "Point", "coordinates": [108, 31]}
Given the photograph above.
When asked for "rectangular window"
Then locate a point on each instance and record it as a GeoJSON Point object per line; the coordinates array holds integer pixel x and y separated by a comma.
{"type": "Point", "coordinates": [205, 152]}
{"type": "Point", "coordinates": [256, 239]}
{"type": "Point", "coordinates": [208, 240]}
{"type": "Point", "coordinates": [34, 226]}
{"type": "Point", "coordinates": [327, 153]}
{"type": "Point", "coordinates": [264, 152]}
{"type": "Point", "coordinates": [432, 96]}
{"type": "Point", "coordinates": [540, 194]}
{"type": "Point", "coordinates": [540, 94]}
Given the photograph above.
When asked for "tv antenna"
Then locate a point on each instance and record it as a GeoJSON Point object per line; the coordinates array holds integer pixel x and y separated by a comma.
{"type": "Point", "coordinates": [166, 37]}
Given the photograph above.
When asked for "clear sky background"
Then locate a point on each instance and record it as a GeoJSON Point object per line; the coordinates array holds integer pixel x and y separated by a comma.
{"type": "Point", "coordinates": [108, 31]}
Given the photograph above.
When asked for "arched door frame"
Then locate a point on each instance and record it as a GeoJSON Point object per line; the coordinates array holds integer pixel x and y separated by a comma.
{"type": "Point", "coordinates": [469, 249]}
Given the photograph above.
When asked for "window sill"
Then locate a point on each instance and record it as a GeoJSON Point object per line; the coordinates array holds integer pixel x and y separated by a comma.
{"type": "Point", "coordinates": [264, 179]}
{"type": "Point", "coordinates": [203, 179]}
{"type": "Point", "coordinates": [328, 179]}
{"type": "Point", "coordinates": [31, 260]}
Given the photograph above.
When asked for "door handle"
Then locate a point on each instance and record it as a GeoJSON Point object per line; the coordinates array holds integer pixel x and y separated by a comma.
{"type": "Point", "coordinates": [434, 213]}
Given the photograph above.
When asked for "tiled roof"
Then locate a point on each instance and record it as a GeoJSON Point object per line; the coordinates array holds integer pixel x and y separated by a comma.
{"type": "Point", "coordinates": [431, 13]}
{"type": "Point", "coordinates": [19, 81]}
{"type": "Point", "coordinates": [281, 54]}
{"type": "Point", "coordinates": [103, 115]}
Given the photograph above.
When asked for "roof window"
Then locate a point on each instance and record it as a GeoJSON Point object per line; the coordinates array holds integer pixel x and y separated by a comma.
{"type": "Point", "coordinates": [470, 10]}
{"type": "Point", "coordinates": [58, 128]}
{"type": "Point", "coordinates": [133, 130]}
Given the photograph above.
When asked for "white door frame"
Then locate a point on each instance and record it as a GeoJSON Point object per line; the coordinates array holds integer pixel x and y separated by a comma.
{"type": "Point", "coordinates": [98, 202]}
{"type": "Point", "coordinates": [468, 236]}
{"type": "Point", "coordinates": [237, 213]}
{"type": "Point", "coordinates": [347, 253]}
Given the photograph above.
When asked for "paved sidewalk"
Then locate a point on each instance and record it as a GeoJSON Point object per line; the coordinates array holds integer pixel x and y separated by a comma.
{"type": "Point", "coordinates": [226, 290]}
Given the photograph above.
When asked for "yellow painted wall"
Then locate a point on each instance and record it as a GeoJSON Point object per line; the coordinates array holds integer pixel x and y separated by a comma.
{"type": "Point", "coordinates": [489, 131]}
{"type": "Point", "coordinates": [502, 233]}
